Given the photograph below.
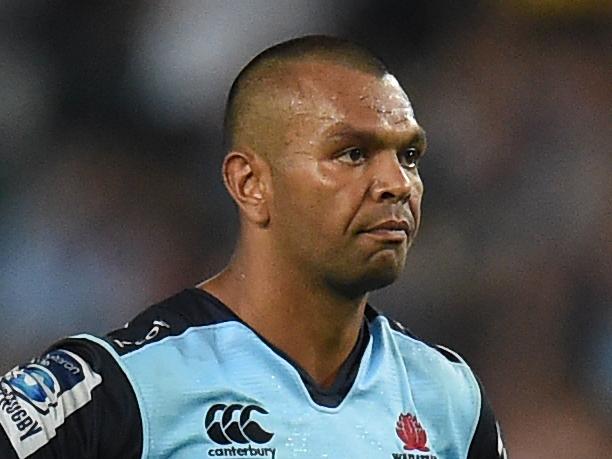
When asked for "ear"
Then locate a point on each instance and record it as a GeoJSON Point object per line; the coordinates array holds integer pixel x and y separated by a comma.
{"type": "Point", "coordinates": [245, 180]}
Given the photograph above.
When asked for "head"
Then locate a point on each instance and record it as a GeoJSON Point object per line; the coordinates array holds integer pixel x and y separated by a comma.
{"type": "Point", "coordinates": [322, 161]}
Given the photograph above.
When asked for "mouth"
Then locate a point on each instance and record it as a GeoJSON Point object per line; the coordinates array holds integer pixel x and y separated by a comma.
{"type": "Point", "coordinates": [389, 231]}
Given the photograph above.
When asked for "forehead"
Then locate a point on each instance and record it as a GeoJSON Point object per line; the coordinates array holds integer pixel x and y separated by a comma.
{"type": "Point", "coordinates": [328, 94]}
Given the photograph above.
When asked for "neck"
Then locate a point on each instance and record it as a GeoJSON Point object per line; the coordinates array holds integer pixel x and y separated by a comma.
{"type": "Point", "coordinates": [312, 324]}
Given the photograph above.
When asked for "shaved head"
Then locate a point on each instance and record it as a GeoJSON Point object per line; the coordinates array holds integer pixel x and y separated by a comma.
{"type": "Point", "coordinates": [270, 92]}
{"type": "Point", "coordinates": [323, 146]}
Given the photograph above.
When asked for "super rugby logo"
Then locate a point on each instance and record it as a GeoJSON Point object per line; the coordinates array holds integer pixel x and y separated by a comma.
{"type": "Point", "coordinates": [37, 383]}
{"type": "Point", "coordinates": [227, 424]}
{"type": "Point", "coordinates": [35, 399]}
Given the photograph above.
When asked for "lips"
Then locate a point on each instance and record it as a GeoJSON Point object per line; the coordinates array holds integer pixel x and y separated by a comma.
{"type": "Point", "coordinates": [390, 230]}
{"type": "Point", "coordinates": [392, 225]}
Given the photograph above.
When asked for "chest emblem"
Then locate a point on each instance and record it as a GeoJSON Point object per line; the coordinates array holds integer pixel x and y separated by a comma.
{"type": "Point", "coordinates": [410, 431]}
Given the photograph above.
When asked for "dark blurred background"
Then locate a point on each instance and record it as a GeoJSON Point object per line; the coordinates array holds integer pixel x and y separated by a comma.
{"type": "Point", "coordinates": [111, 197]}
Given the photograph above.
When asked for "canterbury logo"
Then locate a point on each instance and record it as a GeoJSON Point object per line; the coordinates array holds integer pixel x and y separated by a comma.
{"type": "Point", "coordinates": [227, 424]}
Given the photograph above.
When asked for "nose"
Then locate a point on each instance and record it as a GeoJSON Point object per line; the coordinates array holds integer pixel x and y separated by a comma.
{"type": "Point", "coordinates": [391, 181]}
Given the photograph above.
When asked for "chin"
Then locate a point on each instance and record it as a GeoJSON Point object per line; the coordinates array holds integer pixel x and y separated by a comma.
{"type": "Point", "coordinates": [358, 284]}
{"type": "Point", "coordinates": [378, 280]}
{"type": "Point", "coordinates": [382, 269]}
{"type": "Point", "coordinates": [374, 271]}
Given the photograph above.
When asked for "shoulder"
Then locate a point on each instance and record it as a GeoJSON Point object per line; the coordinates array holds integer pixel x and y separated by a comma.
{"type": "Point", "coordinates": [82, 388]}
{"type": "Point", "coordinates": [433, 371]}
{"type": "Point", "coordinates": [171, 317]}
{"type": "Point", "coordinates": [410, 345]}
{"type": "Point", "coordinates": [439, 367]}
{"type": "Point", "coordinates": [443, 374]}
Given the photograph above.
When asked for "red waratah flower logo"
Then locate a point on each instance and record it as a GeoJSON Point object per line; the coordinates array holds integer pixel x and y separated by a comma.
{"type": "Point", "coordinates": [411, 432]}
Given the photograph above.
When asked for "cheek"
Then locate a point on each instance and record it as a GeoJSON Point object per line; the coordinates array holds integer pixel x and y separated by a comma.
{"type": "Point", "coordinates": [327, 209]}
{"type": "Point", "coordinates": [320, 201]}
{"type": "Point", "coordinates": [415, 200]}
{"type": "Point", "coordinates": [341, 193]}
{"type": "Point", "coordinates": [299, 198]}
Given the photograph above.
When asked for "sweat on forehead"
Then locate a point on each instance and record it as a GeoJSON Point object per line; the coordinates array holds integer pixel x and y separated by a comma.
{"type": "Point", "coordinates": [268, 77]}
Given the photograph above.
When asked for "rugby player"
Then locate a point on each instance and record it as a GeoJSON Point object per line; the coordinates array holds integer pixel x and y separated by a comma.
{"type": "Point", "coordinates": [279, 355]}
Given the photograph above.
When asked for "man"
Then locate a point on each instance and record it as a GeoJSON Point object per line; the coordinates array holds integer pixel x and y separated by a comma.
{"type": "Point", "coordinates": [279, 355]}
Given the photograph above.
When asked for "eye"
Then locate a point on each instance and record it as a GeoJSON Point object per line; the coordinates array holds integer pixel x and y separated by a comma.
{"type": "Point", "coordinates": [352, 156]}
{"type": "Point", "coordinates": [409, 158]}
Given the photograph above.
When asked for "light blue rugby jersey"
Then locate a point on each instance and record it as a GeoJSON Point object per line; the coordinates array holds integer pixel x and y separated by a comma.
{"type": "Point", "coordinates": [206, 385]}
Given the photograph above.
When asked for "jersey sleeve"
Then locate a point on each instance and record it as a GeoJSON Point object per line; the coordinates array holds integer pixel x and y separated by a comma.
{"type": "Point", "coordinates": [73, 402]}
{"type": "Point", "coordinates": [487, 441]}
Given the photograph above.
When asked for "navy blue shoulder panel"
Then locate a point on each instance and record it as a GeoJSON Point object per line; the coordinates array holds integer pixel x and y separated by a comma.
{"type": "Point", "coordinates": [171, 317]}
{"type": "Point", "coordinates": [487, 442]}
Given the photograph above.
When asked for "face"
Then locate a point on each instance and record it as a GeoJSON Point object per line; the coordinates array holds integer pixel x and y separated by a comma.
{"type": "Point", "coordinates": [347, 194]}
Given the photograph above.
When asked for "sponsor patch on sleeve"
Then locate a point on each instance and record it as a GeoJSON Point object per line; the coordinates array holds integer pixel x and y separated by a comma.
{"type": "Point", "coordinates": [35, 399]}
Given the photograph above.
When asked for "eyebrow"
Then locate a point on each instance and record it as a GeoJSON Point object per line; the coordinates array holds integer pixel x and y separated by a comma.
{"type": "Point", "coordinates": [344, 130]}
